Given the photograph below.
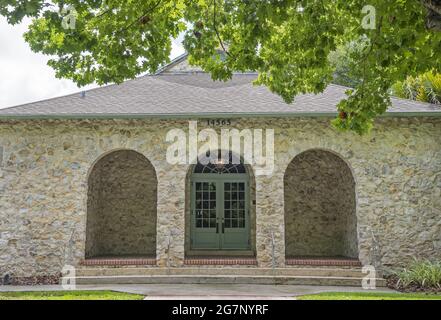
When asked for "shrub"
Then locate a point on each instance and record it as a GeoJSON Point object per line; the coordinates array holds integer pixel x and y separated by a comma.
{"type": "Point", "coordinates": [420, 275]}
{"type": "Point", "coordinates": [425, 88]}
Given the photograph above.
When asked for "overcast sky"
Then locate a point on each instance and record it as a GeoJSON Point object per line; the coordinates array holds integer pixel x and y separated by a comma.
{"type": "Point", "coordinates": [25, 76]}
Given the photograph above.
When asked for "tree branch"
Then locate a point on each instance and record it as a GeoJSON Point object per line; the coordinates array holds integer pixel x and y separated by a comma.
{"type": "Point", "coordinates": [141, 16]}
{"type": "Point", "coordinates": [434, 5]}
{"type": "Point", "coordinates": [433, 18]}
{"type": "Point", "coordinates": [216, 31]}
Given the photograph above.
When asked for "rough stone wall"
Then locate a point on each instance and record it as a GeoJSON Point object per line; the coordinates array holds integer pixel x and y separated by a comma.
{"type": "Point", "coordinates": [320, 217]}
{"type": "Point", "coordinates": [44, 186]}
{"type": "Point", "coordinates": [121, 208]}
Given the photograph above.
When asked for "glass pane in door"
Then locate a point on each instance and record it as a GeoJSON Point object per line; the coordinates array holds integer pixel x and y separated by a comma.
{"type": "Point", "coordinates": [234, 204]}
{"type": "Point", "coordinates": [205, 206]}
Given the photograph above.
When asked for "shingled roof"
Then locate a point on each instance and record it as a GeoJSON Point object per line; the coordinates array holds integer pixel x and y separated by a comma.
{"type": "Point", "coordinates": [186, 94]}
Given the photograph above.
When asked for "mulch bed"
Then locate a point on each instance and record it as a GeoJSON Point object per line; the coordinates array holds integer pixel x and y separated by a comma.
{"type": "Point", "coordinates": [392, 283]}
{"type": "Point", "coordinates": [31, 281]}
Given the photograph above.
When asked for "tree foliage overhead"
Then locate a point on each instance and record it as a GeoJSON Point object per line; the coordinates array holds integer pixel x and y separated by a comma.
{"type": "Point", "coordinates": [343, 65]}
{"type": "Point", "coordinates": [286, 41]}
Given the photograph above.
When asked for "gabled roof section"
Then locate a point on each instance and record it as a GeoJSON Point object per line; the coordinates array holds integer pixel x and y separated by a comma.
{"type": "Point", "coordinates": [179, 65]}
{"type": "Point", "coordinates": [176, 91]}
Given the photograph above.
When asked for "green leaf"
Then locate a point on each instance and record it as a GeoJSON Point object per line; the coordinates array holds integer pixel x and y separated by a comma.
{"type": "Point", "coordinates": [293, 51]}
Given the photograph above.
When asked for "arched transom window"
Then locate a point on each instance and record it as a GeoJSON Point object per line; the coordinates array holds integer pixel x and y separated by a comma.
{"type": "Point", "coordinates": [221, 165]}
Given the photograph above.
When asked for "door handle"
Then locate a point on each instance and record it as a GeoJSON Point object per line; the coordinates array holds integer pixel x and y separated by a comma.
{"type": "Point", "coordinates": [217, 224]}
{"type": "Point", "coordinates": [223, 225]}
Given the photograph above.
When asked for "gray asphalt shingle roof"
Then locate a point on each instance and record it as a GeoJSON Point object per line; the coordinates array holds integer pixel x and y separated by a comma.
{"type": "Point", "coordinates": [186, 94]}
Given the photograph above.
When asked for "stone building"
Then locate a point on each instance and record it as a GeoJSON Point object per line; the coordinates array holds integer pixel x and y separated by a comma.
{"type": "Point", "coordinates": [85, 181]}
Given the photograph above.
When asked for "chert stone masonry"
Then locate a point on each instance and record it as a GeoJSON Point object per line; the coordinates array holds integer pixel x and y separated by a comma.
{"type": "Point", "coordinates": [73, 189]}
{"type": "Point", "coordinates": [320, 213]}
{"type": "Point", "coordinates": [121, 206]}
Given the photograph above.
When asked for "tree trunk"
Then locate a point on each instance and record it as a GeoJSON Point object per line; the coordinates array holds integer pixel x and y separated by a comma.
{"type": "Point", "coordinates": [433, 19]}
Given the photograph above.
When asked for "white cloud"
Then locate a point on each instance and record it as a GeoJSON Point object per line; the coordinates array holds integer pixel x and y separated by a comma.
{"type": "Point", "coordinates": [25, 76]}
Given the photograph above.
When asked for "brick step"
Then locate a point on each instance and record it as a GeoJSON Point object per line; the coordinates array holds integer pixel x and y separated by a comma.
{"type": "Point", "coordinates": [329, 262]}
{"type": "Point", "coordinates": [220, 271]}
{"type": "Point", "coordinates": [225, 279]}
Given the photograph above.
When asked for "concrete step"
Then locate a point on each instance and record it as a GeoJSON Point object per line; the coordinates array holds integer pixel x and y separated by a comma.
{"type": "Point", "coordinates": [224, 279]}
{"type": "Point", "coordinates": [224, 271]}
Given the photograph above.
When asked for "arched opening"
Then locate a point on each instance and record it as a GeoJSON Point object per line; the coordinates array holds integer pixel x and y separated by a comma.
{"type": "Point", "coordinates": [220, 215]}
{"type": "Point", "coordinates": [121, 206]}
{"type": "Point", "coordinates": [320, 208]}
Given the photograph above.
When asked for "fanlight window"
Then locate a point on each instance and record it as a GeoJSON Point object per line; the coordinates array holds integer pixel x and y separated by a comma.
{"type": "Point", "coordinates": [220, 166]}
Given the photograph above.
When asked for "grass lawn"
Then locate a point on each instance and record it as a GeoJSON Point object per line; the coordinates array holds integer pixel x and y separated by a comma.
{"type": "Point", "coordinates": [370, 296]}
{"type": "Point", "coordinates": [69, 295]}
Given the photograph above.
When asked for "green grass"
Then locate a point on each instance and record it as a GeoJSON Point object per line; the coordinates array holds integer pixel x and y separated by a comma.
{"type": "Point", "coordinates": [69, 295]}
{"type": "Point", "coordinates": [369, 296]}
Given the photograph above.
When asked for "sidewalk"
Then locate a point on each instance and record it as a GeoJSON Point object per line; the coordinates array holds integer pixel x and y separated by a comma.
{"type": "Point", "coordinates": [205, 291]}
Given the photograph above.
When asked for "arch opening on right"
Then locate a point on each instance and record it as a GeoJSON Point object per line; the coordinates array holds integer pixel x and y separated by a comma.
{"type": "Point", "coordinates": [320, 208]}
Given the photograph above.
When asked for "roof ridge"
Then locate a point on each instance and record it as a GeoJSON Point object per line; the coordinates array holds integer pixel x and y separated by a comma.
{"type": "Point", "coordinates": [202, 88]}
{"type": "Point", "coordinates": [172, 63]}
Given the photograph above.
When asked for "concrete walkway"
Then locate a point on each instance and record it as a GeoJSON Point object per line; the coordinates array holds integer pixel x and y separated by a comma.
{"type": "Point", "coordinates": [205, 291]}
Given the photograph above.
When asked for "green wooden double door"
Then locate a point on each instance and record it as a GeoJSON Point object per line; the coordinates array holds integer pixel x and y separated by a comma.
{"type": "Point", "coordinates": [220, 213]}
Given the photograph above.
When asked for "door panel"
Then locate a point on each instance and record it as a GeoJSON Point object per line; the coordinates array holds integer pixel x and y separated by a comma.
{"type": "Point", "coordinates": [204, 217]}
{"type": "Point", "coordinates": [220, 214]}
{"type": "Point", "coordinates": [235, 231]}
